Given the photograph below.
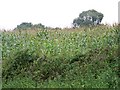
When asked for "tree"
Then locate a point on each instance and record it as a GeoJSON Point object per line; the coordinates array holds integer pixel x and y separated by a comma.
{"type": "Point", "coordinates": [24, 25]}
{"type": "Point", "coordinates": [86, 18]}
{"type": "Point", "coordinates": [39, 26]}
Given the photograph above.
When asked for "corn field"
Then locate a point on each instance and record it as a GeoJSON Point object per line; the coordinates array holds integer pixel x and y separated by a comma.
{"type": "Point", "coordinates": [75, 58]}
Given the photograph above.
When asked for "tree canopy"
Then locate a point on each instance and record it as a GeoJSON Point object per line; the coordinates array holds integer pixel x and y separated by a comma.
{"type": "Point", "coordinates": [39, 26]}
{"type": "Point", "coordinates": [86, 18]}
{"type": "Point", "coordinates": [26, 25]}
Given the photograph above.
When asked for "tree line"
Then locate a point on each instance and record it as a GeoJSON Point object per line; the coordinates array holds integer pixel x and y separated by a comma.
{"type": "Point", "coordinates": [86, 18]}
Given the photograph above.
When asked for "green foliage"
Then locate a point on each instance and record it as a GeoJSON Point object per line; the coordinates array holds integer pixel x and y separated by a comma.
{"type": "Point", "coordinates": [39, 26]}
{"type": "Point", "coordinates": [60, 59]}
{"type": "Point", "coordinates": [23, 82]}
{"type": "Point", "coordinates": [86, 18]}
{"type": "Point", "coordinates": [26, 26]}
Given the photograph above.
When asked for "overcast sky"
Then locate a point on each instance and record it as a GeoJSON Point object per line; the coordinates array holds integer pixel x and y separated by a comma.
{"type": "Point", "coordinates": [54, 13]}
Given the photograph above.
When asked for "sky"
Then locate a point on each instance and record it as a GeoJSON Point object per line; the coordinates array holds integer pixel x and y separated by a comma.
{"type": "Point", "coordinates": [53, 13]}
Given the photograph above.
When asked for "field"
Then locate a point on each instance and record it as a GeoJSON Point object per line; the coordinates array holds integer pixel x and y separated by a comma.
{"type": "Point", "coordinates": [73, 58]}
